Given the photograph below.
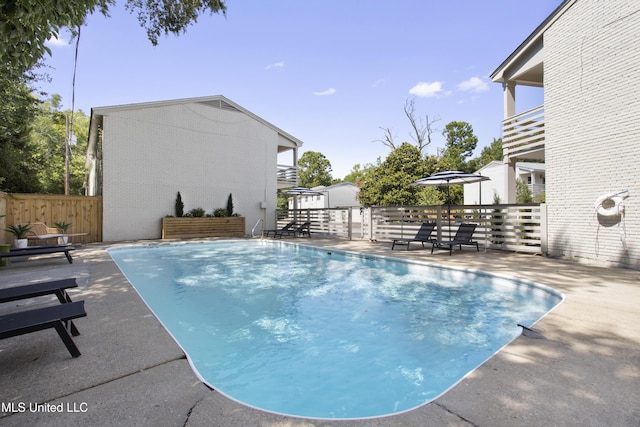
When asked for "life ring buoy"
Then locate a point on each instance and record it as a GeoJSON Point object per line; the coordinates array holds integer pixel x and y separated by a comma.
{"type": "Point", "coordinates": [616, 205]}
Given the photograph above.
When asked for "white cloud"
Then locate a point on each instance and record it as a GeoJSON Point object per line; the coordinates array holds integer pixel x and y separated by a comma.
{"type": "Point", "coordinates": [474, 84]}
{"type": "Point", "coordinates": [276, 65]}
{"type": "Point", "coordinates": [57, 42]}
{"type": "Point", "coordinates": [378, 82]}
{"type": "Point", "coordinates": [426, 89]}
{"type": "Point", "coordinates": [329, 91]}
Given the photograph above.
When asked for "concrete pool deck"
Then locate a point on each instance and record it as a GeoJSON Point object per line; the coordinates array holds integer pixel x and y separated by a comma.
{"type": "Point", "coordinates": [585, 371]}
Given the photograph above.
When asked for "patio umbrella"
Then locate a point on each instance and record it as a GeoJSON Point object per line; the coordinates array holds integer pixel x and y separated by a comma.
{"type": "Point", "coordinates": [299, 191]}
{"type": "Point", "coordinates": [447, 178]}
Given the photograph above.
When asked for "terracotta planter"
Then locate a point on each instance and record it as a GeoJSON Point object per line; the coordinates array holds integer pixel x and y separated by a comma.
{"type": "Point", "coordinates": [187, 228]}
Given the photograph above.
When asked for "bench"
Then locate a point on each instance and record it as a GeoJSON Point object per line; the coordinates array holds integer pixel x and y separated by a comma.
{"type": "Point", "coordinates": [56, 287]}
{"type": "Point", "coordinates": [38, 319]}
{"type": "Point", "coordinates": [39, 250]}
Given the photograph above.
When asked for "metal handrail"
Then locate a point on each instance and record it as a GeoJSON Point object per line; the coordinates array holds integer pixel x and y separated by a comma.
{"type": "Point", "coordinates": [253, 236]}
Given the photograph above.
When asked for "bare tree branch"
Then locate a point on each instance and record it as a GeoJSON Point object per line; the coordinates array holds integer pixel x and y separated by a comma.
{"type": "Point", "coordinates": [388, 138]}
{"type": "Point", "coordinates": [422, 130]}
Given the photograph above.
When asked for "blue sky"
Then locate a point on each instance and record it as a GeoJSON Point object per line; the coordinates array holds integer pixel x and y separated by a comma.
{"type": "Point", "coordinates": [330, 73]}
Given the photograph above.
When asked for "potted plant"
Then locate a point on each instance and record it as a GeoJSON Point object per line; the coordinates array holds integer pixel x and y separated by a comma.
{"type": "Point", "coordinates": [20, 232]}
{"type": "Point", "coordinates": [4, 248]}
{"type": "Point", "coordinates": [64, 226]}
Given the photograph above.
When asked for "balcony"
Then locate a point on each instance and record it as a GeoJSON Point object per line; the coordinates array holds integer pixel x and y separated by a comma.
{"type": "Point", "coordinates": [523, 135]}
{"type": "Point", "coordinates": [287, 176]}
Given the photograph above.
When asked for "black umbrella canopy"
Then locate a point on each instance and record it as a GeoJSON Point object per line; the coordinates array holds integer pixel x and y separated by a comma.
{"type": "Point", "coordinates": [450, 177]}
{"type": "Point", "coordinates": [296, 191]}
{"type": "Point", "coordinates": [447, 178]}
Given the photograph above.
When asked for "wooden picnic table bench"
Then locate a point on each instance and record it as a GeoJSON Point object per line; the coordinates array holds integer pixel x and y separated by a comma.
{"type": "Point", "coordinates": [38, 319]}
{"type": "Point", "coordinates": [57, 287]}
{"type": "Point", "coordinates": [39, 250]}
{"type": "Point", "coordinates": [23, 322]}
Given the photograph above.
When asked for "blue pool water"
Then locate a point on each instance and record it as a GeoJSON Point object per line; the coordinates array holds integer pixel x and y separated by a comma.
{"type": "Point", "coordinates": [326, 334]}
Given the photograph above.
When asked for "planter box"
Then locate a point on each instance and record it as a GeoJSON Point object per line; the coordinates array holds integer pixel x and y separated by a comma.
{"type": "Point", "coordinates": [186, 228]}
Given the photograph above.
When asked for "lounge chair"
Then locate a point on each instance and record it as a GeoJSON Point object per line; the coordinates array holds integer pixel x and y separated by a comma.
{"type": "Point", "coordinates": [299, 230]}
{"type": "Point", "coordinates": [303, 230]}
{"type": "Point", "coordinates": [41, 231]}
{"type": "Point", "coordinates": [284, 229]}
{"type": "Point", "coordinates": [38, 319]}
{"type": "Point", "coordinates": [464, 236]}
{"type": "Point", "coordinates": [423, 235]}
{"type": "Point", "coordinates": [39, 250]}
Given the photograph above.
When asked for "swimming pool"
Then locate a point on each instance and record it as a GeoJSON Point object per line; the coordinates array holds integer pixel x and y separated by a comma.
{"type": "Point", "coordinates": [321, 333]}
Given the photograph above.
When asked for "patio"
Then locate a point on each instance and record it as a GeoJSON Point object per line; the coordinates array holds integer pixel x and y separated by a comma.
{"type": "Point", "coordinates": [586, 372]}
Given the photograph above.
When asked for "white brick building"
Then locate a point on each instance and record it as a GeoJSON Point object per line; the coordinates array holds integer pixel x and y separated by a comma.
{"type": "Point", "coordinates": [586, 56]}
{"type": "Point", "coordinates": [141, 155]}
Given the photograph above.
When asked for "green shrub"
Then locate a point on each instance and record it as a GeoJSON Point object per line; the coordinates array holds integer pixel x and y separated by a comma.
{"type": "Point", "coordinates": [179, 206]}
{"type": "Point", "coordinates": [230, 205]}
{"type": "Point", "coordinates": [196, 213]}
{"type": "Point", "coordinates": [220, 213]}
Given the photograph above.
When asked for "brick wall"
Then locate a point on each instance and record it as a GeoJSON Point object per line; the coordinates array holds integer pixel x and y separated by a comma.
{"type": "Point", "coordinates": [592, 108]}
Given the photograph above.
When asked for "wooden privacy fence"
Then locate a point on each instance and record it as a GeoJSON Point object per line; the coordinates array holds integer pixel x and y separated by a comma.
{"type": "Point", "coordinates": [83, 212]}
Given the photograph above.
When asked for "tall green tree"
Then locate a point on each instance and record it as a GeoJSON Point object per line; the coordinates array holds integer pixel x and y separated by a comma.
{"type": "Point", "coordinates": [359, 173]}
{"type": "Point", "coordinates": [388, 184]}
{"type": "Point", "coordinates": [18, 107]}
{"type": "Point", "coordinates": [25, 25]}
{"type": "Point", "coordinates": [488, 154]}
{"type": "Point", "coordinates": [48, 138]}
{"type": "Point", "coordinates": [314, 169]}
{"type": "Point", "coordinates": [460, 143]}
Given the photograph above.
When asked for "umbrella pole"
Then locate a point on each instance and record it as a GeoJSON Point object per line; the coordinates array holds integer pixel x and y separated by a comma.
{"type": "Point", "coordinates": [449, 210]}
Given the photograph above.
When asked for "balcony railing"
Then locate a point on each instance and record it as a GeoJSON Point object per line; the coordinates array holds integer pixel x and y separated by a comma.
{"type": "Point", "coordinates": [287, 176]}
{"type": "Point", "coordinates": [523, 134]}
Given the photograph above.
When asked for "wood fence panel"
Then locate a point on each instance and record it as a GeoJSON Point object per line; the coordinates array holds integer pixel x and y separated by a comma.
{"type": "Point", "coordinates": [187, 228]}
{"type": "Point", "coordinates": [83, 212]}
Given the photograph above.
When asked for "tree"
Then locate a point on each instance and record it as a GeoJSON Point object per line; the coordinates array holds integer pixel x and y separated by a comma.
{"type": "Point", "coordinates": [17, 111]}
{"type": "Point", "coordinates": [230, 205]}
{"type": "Point", "coordinates": [460, 143]}
{"type": "Point", "coordinates": [48, 138]}
{"type": "Point", "coordinates": [490, 153]}
{"type": "Point", "coordinates": [314, 170]}
{"type": "Point", "coordinates": [388, 184]}
{"type": "Point", "coordinates": [179, 206]}
{"type": "Point", "coordinates": [421, 130]}
{"type": "Point", "coordinates": [359, 173]}
{"type": "Point", "coordinates": [26, 25]}
{"type": "Point", "coordinates": [523, 192]}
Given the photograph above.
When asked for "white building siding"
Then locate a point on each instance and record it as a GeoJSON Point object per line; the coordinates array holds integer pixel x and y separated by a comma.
{"type": "Point", "coordinates": [204, 152]}
{"type": "Point", "coordinates": [494, 186]}
{"type": "Point", "coordinates": [592, 108]}
{"type": "Point", "coordinates": [334, 196]}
